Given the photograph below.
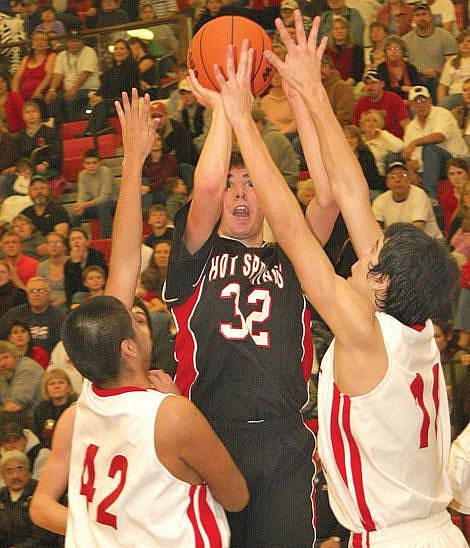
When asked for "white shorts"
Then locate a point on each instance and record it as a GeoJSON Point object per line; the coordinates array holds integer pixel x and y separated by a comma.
{"type": "Point", "coordinates": [437, 531]}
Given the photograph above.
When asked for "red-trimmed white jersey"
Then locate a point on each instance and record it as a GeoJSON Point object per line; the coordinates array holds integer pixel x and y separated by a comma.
{"type": "Point", "coordinates": [119, 492]}
{"type": "Point", "coordinates": [385, 453]}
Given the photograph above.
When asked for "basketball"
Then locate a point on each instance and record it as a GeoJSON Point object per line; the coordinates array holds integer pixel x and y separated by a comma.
{"type": "Point", "coordinates": [209, 46]}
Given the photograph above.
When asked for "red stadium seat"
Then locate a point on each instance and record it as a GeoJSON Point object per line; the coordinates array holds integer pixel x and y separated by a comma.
{"type": "Point", "coordinates": [73, 156]}
{"type": "Point", "coordinates": [107, 145]}
{"type": "Point", "coordinates": [68, 130]}
{"type": "Point", "coordinates": [103, 245]}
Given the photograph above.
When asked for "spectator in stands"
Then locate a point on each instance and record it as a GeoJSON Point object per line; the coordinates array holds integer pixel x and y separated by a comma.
{"type": "Point", "coordinates": [32, 240]}
{"type": "Point", "coordinates": [146, 62]}
{"type": "Point", "coordinates": [366, 160]}
{"type": "Point", "coordinates": [123, 75]}
{"type": "Point", "coordinates": [431, 139]}
{"type": "Point", "coordinates": [450, 190]}
{"type": "Point", "coordinates": [11, 105]}
{"type": "Point", "coordinates": [460, 224]}
{"type": "Point", "coordinates": [428, 46]}
{"type": "Point", "coordinates": [404, 202]}
{"type": "Point", "coordinates": [43, 319]}
{"type": "Point", "coordinates": [443, 14]}
{"type": "Point", "coordinates": [94, 193]}
{"type": "Point", "coordinates": [40, 143]}
{"type": "Point", "coordinates": [16, 528]}
{"type": "Point", "coordinates": [47, 215]}
{"type": "Point", "coordinates": [20, 381]}
{"type": "Point", "coordinates": [109, 15]}
{"type": "Point", "coordinates": [162, 8]}
{"type": "Point", "coordinates": [397, 15]}
{"type": "Point", "coordinates": [159, 222]}
{"type": "Point", "coordinates": [152, 279]}
{"type": "Point", "coordinates": [456, 70]}
{"type": "Point", "coordinates": [211, 10]}
{"type": "Point", "coordinates": [7, 144]}
{"type": "Point", "coordinates": [81, 256]}
{"type": "Point", "coordinates": [380, 141]}
{"type": "Point", "coordinates": [346, 54]}
{"type": "Point", "coordinates": [164, 40]}
{"type": "Point", "coordinates": [158, 166]}
{"type": "Point", "coordinates": [390, 104]}
{"type": "Point", "coordinates": [339, 92]}
{"type": "Point", "coordinates": [10, 294]}
{"type": "Point", "coordinates": [19, 334]}
{"type": "Point", "coordinates": [58, 394]}
{"type": "Point", "coordinates": [60, 360]}
{"type": "Point", "coordinates": [77, 70]}
{"type": "Point", "coordinates": [462, 315]}
{"type": "Point", "coordinates": [339, 9]}
{"type": "Point", "coordinates": [177, 192]}
{"type": "Point", "coordinates": [375, 53]}
{"type": "Point", "coordinates": [50, 24]}
{"type": "Point", "coordinates": [52, 269]}
{"type": "Point", "coordinates": [16, 180]}
{"type": "Point", "coordinates": [397, 74]}
{"type": "Point", "coordinates": [34, 74]}
{"type": "Point", "coordinates": [176, 137]}
{"type": "Point", "coordinates": [94, 280]}
{"type": "Point", "coordinates": [22, 267]}
{"type": "Point", "coordinates": [15, 434]}
{"type": "Point", "coordinates": [31, 16]}
{"type": "Point", "coordinates": [462, 112]}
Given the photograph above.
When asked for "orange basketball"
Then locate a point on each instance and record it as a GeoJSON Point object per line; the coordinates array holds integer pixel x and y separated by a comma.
{"type": "Point", "coordinates": [209, 46]}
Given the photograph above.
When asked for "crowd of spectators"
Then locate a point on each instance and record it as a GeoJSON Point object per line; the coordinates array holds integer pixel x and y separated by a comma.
{"type": "Point", "coordinates": [397, 75]}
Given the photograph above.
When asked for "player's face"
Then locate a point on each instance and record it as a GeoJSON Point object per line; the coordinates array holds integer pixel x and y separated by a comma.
{"type": "Point", "coordinates": [440, 338]}
{"type": "Point", "coordinates": [142, 334]}
{"type": "Point", "coordinates": [242, 217]}
{"type": "Point", "coordinates": [360, 277]}
{"type": "Point", "coordinates": [16, 475]}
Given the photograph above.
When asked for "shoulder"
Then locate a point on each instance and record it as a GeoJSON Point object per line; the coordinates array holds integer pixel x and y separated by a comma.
{"type": "Point", "coordinates": [28, 364]}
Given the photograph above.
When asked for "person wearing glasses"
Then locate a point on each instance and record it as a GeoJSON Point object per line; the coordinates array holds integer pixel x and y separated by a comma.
{"type": "Point", "coordinates": [44, 319]}
{"type": "Point", "coordinates": [404, 202]}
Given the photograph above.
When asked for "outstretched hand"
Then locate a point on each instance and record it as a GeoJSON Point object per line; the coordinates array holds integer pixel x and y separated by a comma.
{"type": "Point", "coordinates": [138, 129]}
{"type": "Point", "coordinates": [208, 98]}
{"type": "Point", "coordinates": [301, 69]}
{"type": "Point", "coordinates": [235, 90]}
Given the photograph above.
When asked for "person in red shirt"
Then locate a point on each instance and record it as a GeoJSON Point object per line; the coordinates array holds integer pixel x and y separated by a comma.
{"type": "Point", "coordinates": [22, 267]}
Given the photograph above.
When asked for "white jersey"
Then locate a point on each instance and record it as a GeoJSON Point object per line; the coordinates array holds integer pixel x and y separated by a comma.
{"type": "Point", "coordinates": [119, 493]}
{"type": "Point", "coordinates": [385, 453]}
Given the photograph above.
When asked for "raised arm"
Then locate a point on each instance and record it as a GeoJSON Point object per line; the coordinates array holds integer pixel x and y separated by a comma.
{"type": "Point", "coordinates": [211, 172]}
{"type": "Point", "coordinates": [138, 133]}
{"type": "Point", "coordinates": [301, 70]}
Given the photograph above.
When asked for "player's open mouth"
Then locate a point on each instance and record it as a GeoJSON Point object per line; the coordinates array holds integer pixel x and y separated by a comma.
{"type": "Point", "coordinates": [241, 211]}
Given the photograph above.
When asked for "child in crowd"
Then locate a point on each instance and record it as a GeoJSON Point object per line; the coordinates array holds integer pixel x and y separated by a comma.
{"type": "Point", "coordinates": [19, 334]}
{"type": "Point", "coordinates": [177, 193]}
{"type": "Point", "coordinates": [32, 239]}
{"type": "Point", "coordinates": [158, 220]}
{"type": "Point", "coordinates": [17, 181]}
{"type": "Point", "coordinates": [58, 394]}
{"type": "Point", "coordinates": [94, 279]}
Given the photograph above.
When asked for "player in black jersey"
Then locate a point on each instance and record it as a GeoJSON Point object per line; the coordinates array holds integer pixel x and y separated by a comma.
{"type": "Point", "coordinates": [244, 346]}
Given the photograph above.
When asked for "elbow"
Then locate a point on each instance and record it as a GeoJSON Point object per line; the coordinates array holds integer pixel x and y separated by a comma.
{"type": "Point", "coordinates": [35, 511]}
{"type": "Point", "coordinates": [238, 503]}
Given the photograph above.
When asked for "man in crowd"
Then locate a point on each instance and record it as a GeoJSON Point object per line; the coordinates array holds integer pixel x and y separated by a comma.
{"type": "Point", "coordinates": [22, 267]}
{"type": "Point", "coordinates": [339, 92]}
{"type": "Point", "coordinates": [390, 104]}
{"type": "Point", "coordinates": [44, 319]}
{"type": "Point", "coordinates": [431, 139]}
{"type": "Point", "coordinates": [46, 215]}
{"type": "Point", "coordinates": [338, 9]}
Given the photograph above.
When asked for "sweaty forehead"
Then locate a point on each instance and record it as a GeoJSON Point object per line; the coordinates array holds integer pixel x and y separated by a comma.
{"type": "Point", "coordinates": [238, 173]}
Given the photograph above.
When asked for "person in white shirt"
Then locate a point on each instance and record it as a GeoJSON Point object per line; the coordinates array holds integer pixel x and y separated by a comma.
{"type": "Point", "coordinates": [431, 139]}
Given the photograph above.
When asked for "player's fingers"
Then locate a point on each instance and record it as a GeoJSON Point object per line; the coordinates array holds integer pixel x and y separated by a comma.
{"type": "Point", "coordinates": [299, 29]}
{"type": "Point", "coordinates": [321, 48]}
{"type": "Point", "coordinates": [219, 76]}
{"type": "Point", "coordinates": [274, 60]}
{"type": "Point", "coordinates": [313, 35]}
{"type": "Point", "coordinates": [285, 36]}
{"type": "Point", "coordinates": [135, 103]}
{"type": "Point", "coordinates": [230, 63]}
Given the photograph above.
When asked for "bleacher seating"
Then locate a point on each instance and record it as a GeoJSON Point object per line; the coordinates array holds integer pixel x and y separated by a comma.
{"type": "Point", "coordinates": [73, 156]}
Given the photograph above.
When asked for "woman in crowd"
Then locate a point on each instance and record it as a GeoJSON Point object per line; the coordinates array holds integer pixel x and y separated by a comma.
{"type": "Point", "coordinates": [10, 294]}
{"type": "Point", "coordinates": [211, 11]}
{"type": "Point", "coordinates": [11, 105]}
{"type": "Point", "coordinates": [397, 74]}
{"type": "Point", "coordinates": [81, 256]}
{"type": "Point", "coordinates": [32, 240]}
{"type": "Point", "coordinates": [366, 160]}
{"type": "Point", "coordinates": [165, 42]}
{"type": "Point", "coordinates": [456, 70]}
{"type": "Point", "coordinates": [52, 269]}
{"type": "Point", "coordinates": [347, 56]}
{"type": "Point", "coordinates": [123, 75]}
{"type": "Point", "coordinates": [158, 166]}
{"type": "Point", "coordinates": [397, 16]}
{"type": "Point", "coordinates": [19, 334]}
{"type": "Point", "coordinates": [375, 54]}
{"type": "Point", "coordinates": [58, 394]}
{"type": "Point", "coordinates": [153, 277]}
{"type": "Point", "coordinates": [147, 65]}
{"type": "Point", "coordinates": [380, 141]}
{"type": "Point", "coordinates": [450, 190]}
{"type": "Point", "coordinates": [35, 71]}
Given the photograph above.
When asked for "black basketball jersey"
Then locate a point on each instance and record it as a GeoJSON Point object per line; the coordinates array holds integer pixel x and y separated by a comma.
{"type": "Point", "coordinates": [244, 346]}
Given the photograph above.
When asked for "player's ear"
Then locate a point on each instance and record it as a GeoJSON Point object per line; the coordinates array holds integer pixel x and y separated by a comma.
{"type": "Point", "coordinates": [129, 348]}
{"type": "Point", "coordinates": [381, 284]}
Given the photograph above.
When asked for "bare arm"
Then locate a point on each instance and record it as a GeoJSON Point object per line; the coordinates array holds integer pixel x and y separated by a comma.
{"type": "Point", "coordinates": [138, 134]}
{"type": "Point", "coordinates": [15, 81]}
{"type": "Point", "coordinates": [45, 509]}
{"type": "Point", "coordinates": [441, 92]}
{"type": "Point", "coordinates": [211, 172]}
{"type": "Point", "coordinates": [191, 450]}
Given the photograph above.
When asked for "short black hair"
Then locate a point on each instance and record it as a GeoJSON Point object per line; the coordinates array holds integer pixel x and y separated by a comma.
{"type": "Point", "coordinates": [92, 336]}
{"type": "Point", "coordinates": [91, 153]}
{"type": "Point", "coordinates": [423, 277]}
{"type": "Point", "coordinates": [236, 159]}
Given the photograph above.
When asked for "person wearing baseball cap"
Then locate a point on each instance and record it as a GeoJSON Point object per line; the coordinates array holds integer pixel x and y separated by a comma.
{"type": "Point", "coordinates": [390, 104]}
{"type": "Point", "coordinates": [431, 138]}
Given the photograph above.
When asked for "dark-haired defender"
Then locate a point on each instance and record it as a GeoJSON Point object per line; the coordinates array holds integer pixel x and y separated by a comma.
{"type": "Point", "coordinates": [144, 468]}
{"type": "Point", "coordinates": [384, 422]}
